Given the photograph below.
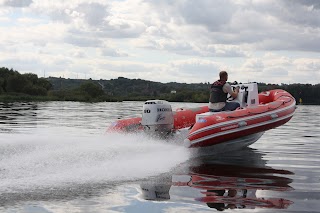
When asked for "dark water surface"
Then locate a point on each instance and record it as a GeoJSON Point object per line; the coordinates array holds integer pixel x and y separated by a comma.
{"type": "Point", "coordinates": [57, 157]}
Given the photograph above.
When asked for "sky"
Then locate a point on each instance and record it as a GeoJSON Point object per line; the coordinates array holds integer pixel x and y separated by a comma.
{"type": "Point", "coordinates": [185, 41]}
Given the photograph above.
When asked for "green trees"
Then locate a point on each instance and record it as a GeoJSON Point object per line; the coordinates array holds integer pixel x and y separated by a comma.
{"type": "Point", "coordinates": [12, 82]}
{"type": "Point", "coordinates": [141, 90]}
{"type": "Point", "coordinates": [29, 87]}
{"type": "Point", "coordinates": [88, 91]}
{"type": "Point", "coordinates": [17, 83]}
{"type": "Point", "coordinates": [5, 73]}
{"type": "Point", "coordinates": [91, 89]}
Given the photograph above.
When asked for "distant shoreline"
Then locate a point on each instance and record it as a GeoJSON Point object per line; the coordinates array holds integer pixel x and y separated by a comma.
{"type": "Point", "coordinates": [16, 87]}
{"type": "Point", "coordinates": [27, 98]}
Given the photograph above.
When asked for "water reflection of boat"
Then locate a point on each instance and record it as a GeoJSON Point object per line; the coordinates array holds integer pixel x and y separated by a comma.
{"type": "Point", "coordinates": [231, 181]}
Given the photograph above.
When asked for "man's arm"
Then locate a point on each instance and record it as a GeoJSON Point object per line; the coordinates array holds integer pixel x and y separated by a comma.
{"type": "Point", "coordinates": [229, 90]}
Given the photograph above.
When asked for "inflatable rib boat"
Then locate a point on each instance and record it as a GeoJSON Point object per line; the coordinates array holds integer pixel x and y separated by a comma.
{"type": "Point", "coordinates": [240, 128]}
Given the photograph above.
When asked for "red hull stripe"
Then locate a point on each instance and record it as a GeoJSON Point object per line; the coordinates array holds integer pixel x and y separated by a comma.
{"type": "Point", "coordinates": [241, 129]}
{"type": "Point", "coordinates": [254, 117]}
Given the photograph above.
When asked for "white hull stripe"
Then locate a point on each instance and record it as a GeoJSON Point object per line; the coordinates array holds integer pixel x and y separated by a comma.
{"type": "Point", "coordinates": [246, 118]}
{"type": "Point", "coordinates": [233, 144]}
{"type": "Point", "coordinates": [240, 129]}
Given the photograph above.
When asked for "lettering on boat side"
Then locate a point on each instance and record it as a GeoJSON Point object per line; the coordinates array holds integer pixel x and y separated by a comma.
{"type": "Point", "coordinates": [230, 127]}
{"type": "Point", "coordinates": [219, 118]}
{"type": "Point", "coordinates": [274, 116]}
{"type": "Point", "coordinates": [147, 111]}
{"type": "Point", "coordinates": [242, 123]}
{"type": "Point", "coordinates": [163, 109]}
{"type": "Point", "coordinates": [201, 120]}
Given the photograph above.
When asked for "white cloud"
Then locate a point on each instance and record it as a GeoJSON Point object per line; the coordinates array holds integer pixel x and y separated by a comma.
{"type": "Point", "coordinates": [4, 20]}
{"type": "Point", "coordinates": [17, 3]}
{"type": "Point", "coordinates": [253, 65]}
{"type": "Point", "coordinates": [215, 15]}
{"type": "Point", "coordinates": [83, 41]}
{"type": "Point", "coordinates": [223, 51]}
{"type": "Point", "coordinates": [107, 51]}
{"type": "Point", "coordinates": [78, 53]}
{"type": "Point", "coordinates": [182, 40]}
{"type": "Point", "coordinates": [93, 13]}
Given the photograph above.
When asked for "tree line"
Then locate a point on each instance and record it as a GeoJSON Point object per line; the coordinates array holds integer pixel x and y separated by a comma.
{"type": "Point", "coordinates": [16, 86]}
{"type": "Point", "coordinates": [28, 87]}
{"type": "Point", "coordinates": [13, 82]}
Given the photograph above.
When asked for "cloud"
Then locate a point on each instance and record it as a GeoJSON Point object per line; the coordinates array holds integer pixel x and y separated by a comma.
{"type": "Point", "coordinates": [122, 28]}
{"type": "Point", "coordinates": [307, 64]}
{"type": "Point", "coordinates": [72, 11]}
{"type": "Point", "coordinates": [17, 3]}
{"type": "Point", "coordinates": [93, 19]}
{"type": "Point", "coordinates": [113, 52]}
{"type": "Point", "coordinates": [194, 70]}
{"type": "Point", "coordinates": [18, 63]}
{"type": "Point", "coordinates": [27, 34]}
{"type": "Point", "coordinates": [223, 51]}
{"type": "Point", "coordinates": [257, 25]}
{"type": "Point", "coordinates": [78, 53]}
{"type": "Point", "coordinates": [214, 15]}
{"type": "Point", "coordinates": [169, 45]}
{"type": "Point", "coordinates": [306, 70]}
{"type": "Point", "coordinates": [253, 65]}
{"type": "Point", "coordinates": [93, 13]}
{"type": "Point", "coordinates": [195, 66]}
{"type": "Point", "coordinates": [302, 13]}
{"type": "Point", "coordinates": [182, 40]}
{"type": "Point", "coordinates": [82, 41]}
{"type": "Point", "coordinates": [190, 48]}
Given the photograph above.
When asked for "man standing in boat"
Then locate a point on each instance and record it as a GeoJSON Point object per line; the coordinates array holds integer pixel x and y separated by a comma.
{"type": "Point", "coordinates": [218, 95]}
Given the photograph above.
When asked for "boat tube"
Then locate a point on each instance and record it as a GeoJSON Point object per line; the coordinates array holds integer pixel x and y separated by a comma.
{"type": "Point", "coordinates": [257, 113]}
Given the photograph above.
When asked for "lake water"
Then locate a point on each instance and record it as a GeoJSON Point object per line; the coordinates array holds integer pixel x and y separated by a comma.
{"type": "Point", "coordinates": [57, 157]}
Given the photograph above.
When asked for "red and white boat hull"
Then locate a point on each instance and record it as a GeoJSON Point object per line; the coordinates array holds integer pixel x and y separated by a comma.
{"type": "Point", "coordinates": [215, 128]}
{"type": "Point", "coordinates": [222, 130]}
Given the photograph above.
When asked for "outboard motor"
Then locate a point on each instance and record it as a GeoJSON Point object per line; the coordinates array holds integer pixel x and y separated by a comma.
{"type": "Point", "coordinates": [157, 117]}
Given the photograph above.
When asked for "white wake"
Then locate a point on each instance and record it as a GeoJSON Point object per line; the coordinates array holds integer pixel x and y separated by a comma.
{"type": "Point", "coordinates": [49, 159]}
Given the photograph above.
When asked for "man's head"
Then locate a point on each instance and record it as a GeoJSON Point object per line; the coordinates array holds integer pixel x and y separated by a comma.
{"type": "Point", "coordinates": [223, 75]}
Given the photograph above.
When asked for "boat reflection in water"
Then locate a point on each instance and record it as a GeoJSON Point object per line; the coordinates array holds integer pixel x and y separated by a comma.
{"type": "Point", "coordinates": [228, 181]}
